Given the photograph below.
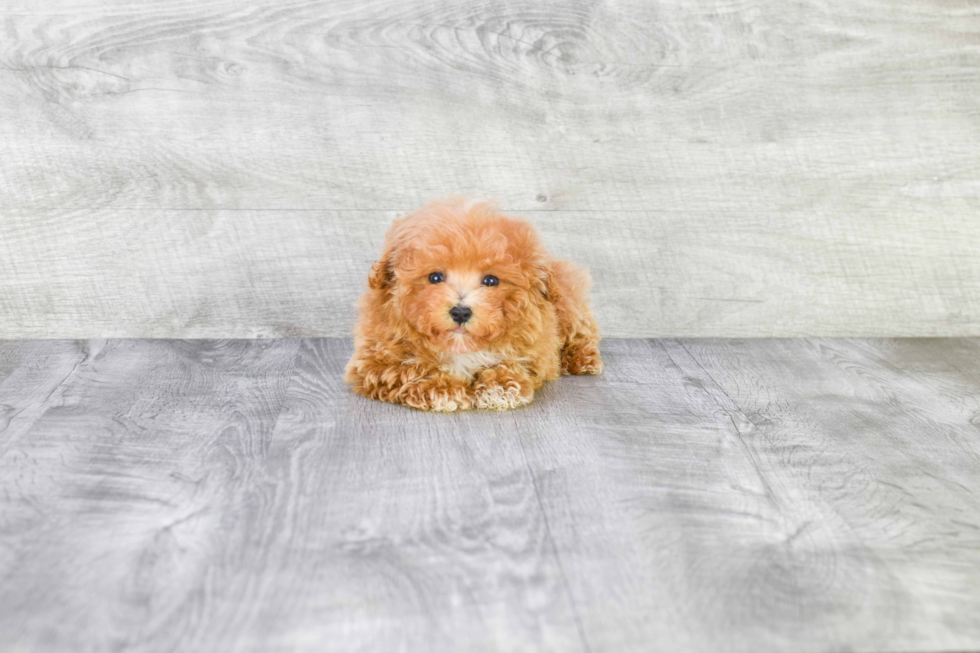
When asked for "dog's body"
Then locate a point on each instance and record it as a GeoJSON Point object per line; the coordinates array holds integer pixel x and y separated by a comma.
{"type": "Point", "coordinates": [466, 309]}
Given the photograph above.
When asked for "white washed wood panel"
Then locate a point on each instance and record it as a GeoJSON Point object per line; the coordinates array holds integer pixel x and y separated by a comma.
{"type": "Point", "coordinates": [791, 168]}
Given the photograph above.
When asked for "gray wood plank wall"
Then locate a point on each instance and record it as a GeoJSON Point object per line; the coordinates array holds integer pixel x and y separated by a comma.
{"type": "Point", "coordinates": [214, 168]}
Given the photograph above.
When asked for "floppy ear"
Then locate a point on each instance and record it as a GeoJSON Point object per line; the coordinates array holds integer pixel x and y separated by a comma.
{"type": "Point", "coordinates": [548, 283]}
{"type": "Point", "coordinates": [381, 275]}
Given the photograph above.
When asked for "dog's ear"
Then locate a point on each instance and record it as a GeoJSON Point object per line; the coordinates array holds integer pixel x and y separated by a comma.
{"type": "Point", "coordinates": [381, 275]}
{"type": "Point", "coordinates": [548, 283]}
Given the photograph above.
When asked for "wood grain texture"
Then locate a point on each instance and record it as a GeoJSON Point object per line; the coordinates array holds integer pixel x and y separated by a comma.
{"type": "Point", "coordinates": [404, 533]}
{"type": "Point", "coordinates": [769, 495]}
{"type": "Point", "coordinates": [132, 504]}
{"type": "Point", "coordinates": [756, 168]}
{"type": "Point", "coordinates": [701, 495]}
{"type": "Point", "coordinates": [33, 377]}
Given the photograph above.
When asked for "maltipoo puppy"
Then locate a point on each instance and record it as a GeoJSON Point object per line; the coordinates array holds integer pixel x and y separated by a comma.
{"type": "Point", "coordinates": [465, 309]}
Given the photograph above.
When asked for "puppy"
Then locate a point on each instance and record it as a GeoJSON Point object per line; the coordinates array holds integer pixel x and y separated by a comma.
{"type": "Point", "coordinates": [465, 309]}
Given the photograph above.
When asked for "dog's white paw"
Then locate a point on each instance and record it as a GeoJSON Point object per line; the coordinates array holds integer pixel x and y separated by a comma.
{"type": "Point", "coordinates": [440, 403]}
{"type": "Point", "coordinates": [436, 399]}
{"type": "Point", "coordinates": [498, 397]}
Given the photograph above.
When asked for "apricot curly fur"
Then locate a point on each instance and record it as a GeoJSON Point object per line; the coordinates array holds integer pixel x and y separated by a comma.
{"type": "Point", "coordinates": [534, 325]}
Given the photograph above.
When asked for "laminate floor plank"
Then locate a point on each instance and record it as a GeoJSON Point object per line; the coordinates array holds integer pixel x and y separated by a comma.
{"type": "Point", "coordinates": [701, 495]}
{"type": "Point", "coordinates": [885, 434]}
{"type": "Point", "coordinates": [137, 500]}
{"type": "Point", "coordinates": [406, 530]}
{"type": "Point", "coordinates": [33, 375]}
{"type": "Point", "coordinates": [805, 530]}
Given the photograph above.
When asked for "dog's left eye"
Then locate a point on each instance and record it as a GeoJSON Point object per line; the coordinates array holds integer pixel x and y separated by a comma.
{"type": "Point", "coordinates": [436, 277]}
{"type": "Point", "coordinates": [490, 280]}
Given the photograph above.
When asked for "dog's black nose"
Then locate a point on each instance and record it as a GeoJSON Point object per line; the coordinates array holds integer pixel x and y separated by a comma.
{"type": "Point", "coordinates": [460, 314]}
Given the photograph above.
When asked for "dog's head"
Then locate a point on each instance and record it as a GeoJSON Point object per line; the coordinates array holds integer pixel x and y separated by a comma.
{"type": "Point", "coordinates": [462, 275]}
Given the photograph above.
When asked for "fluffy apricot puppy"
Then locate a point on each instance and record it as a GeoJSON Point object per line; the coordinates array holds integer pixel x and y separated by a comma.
{"type": "Point", "coordinates": [465, 309]}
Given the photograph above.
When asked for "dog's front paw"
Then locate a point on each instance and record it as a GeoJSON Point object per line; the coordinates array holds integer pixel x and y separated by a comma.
{"type": "Point", "coordinates": [498, 389]}
{"type": "Point", "coordinates": [437, 397]}
{"type": "Point", "coordinates": [498, 397]}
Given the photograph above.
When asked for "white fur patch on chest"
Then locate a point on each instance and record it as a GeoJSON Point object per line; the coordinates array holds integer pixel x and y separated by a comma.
{"type": "Point", "coordinates": [466, 365]}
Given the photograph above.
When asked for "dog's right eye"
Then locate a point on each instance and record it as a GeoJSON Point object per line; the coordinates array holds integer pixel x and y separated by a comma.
{"type": "Point", "coordinates": [436, 277]}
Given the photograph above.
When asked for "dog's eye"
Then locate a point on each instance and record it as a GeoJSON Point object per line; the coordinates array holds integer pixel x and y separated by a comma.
{"type": "Point", "coordinates": [490, 280]}
{"type": "Point", "coordinates": [437, 277]}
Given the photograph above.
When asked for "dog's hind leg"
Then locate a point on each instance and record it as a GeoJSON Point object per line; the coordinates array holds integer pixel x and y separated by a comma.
{"type": "Point", "coordinates": [581, 355]}
{"type": "Point", "coordinates": [568, 290]}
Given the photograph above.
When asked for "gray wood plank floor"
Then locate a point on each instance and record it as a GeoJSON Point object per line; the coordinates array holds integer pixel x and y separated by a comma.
{"type": "Point", "coordinates": [702, 495]}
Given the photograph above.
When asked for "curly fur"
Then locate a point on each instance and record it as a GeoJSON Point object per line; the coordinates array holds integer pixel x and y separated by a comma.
{"type": "Point", "coordinates": [533, 326]}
